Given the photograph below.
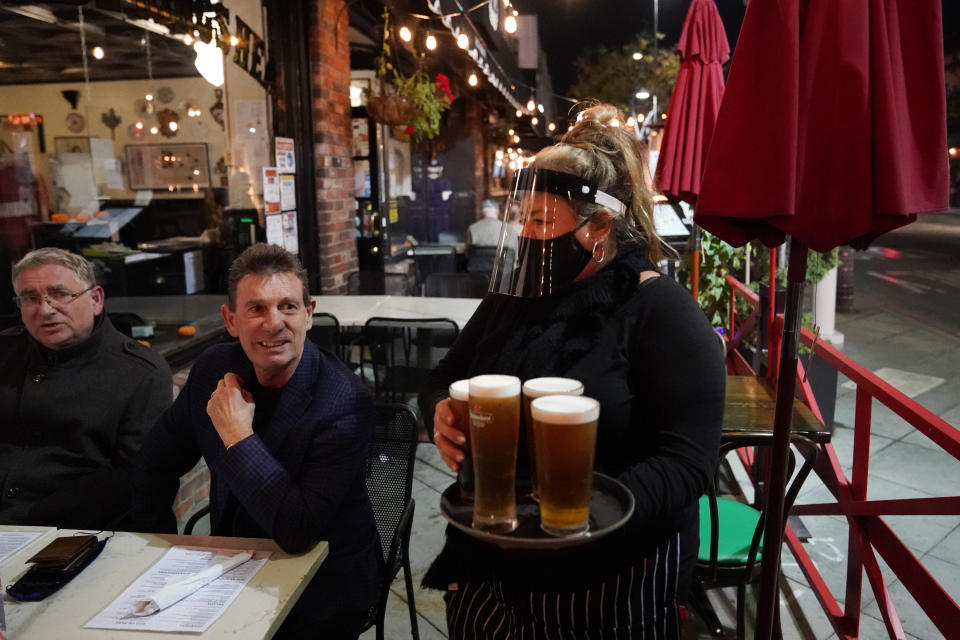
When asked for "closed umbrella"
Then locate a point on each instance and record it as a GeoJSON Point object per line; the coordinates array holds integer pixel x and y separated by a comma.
{"type": "Point", "coordinates": [692, 112]}
{"type": "Point", "coordinates": [832, 130]}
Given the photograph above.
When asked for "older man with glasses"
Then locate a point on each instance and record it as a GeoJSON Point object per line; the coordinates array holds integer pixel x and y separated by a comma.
{"type": "Point", "coordinates": [77, 398]}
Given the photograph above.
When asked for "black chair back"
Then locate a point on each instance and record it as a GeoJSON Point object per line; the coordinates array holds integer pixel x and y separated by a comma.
{"type": "Point", "coordinates": [433, 259]}
{"type": "Point", "coordinates": [456, 285]}
{"type": "Point", "coordinates": [390, 487]}
{"type": "Point", "coordinates": [365, 283]}
{"type": "Point", "coordinates": [402, 351]}
{"type": "Point", "coordinates": [325, 332]}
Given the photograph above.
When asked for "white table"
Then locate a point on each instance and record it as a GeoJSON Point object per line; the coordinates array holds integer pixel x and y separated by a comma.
{"type": "Point", "coordinates": [256, 613]}
{"type": "Point", "coordinates": [354, 311]}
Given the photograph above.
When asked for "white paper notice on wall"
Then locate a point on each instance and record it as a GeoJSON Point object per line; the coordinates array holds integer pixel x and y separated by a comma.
{"type": "Point", "coordinates": [271, 190]}
{"type": "Point", "coordinates": [291, 240]}
{"type": "Point", "coordinates": [286, 162]}
{"type": "Point", "coordinates": [288, 192]}
{"type": "Point", "coordinates": [275, 229]}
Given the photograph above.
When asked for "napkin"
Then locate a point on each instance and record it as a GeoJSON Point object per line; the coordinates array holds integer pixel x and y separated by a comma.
{"type": "Point", "coordinates": [179, 587]}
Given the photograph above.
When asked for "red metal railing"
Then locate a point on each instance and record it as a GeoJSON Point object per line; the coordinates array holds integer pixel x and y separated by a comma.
{"type": "Point", "coordinates": [869, 535]}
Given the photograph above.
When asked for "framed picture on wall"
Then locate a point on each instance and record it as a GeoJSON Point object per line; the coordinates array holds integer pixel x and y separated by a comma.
{"type": "Point", "coordinates": [168, 165]}
{"type": "Point", "coordinates": [71, 144]}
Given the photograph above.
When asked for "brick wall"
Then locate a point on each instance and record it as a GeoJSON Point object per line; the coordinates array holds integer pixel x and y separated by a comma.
{"type": "Point", "coordinates": [330, 70]}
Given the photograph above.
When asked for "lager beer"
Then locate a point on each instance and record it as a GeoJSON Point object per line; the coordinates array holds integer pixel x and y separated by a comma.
{"type": "Point", "coordinates": [494, 426]}
{"type": "Point", "coordinates": [460, 405]}
{"type": "Point", "coordinates": [565, 434]}
{"type": "Point", "coordinates": [534, 388]}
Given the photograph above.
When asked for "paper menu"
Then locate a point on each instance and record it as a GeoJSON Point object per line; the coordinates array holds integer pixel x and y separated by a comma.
{"type": "Point", "coordinates": [13, 541]}
{"type": "Point", "coordinates": [195, 613]}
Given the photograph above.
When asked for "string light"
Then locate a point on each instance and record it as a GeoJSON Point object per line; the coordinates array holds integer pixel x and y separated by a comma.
{"type": "Point", "coordinates": [98, 52]}
{"type": "Point", "coordinates": [431, 41]}
{"type": "Point", "coordinates": [643, 94]}
{"type": "Point", "coordinates": [539, 107]}
{"type": "Point", "coordinates": [405, 34]}
{"type": "Point", "coordinates": [519, 113]}
{"type": "Point", "coordinates": [173, 126]}
{"type": "Point", "coordinates": [551, 126]}
{"type": "Point", "coordinates": [473, 80]}
{"type": "Point", "coordinates": [614, 122]}
{"type": "Point", "coordinates": [187, 39]}
{"type": "Point", "coordinates": [516, 139]}
{"type": "Point", "coordinates": [534, 121]}
{"type": "Point", "coordinates": [531, 105]}
{"type": "Point", "coordinates": [510, 24]}
{"type": "Point", "coordinates": [631, 122]}
{"type": "Point", "coordinates": [154, 130]}
{"type": "Point", "coordinates": [638, 56]}
{"type": "Point", "coordinates": [463, 41]}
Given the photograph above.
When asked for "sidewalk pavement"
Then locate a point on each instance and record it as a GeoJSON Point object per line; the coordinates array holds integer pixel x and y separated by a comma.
{"type": "Point", "coordinates": [921, 362]}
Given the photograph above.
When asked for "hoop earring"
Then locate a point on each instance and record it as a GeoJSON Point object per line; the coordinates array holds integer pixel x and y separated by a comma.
{"type": "Point", "coordinates": [602, 254]}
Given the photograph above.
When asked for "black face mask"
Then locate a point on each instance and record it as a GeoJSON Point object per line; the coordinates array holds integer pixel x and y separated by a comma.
{"type": "Point", "coordinates": [546, 266]}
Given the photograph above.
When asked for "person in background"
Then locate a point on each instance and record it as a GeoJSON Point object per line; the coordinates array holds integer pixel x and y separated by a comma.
{"type": "Point", "coordinates": [77, 398]}
{"type": "Point", "coordinates": [585, 301]}
{"type": "Point", "coordinates": [285, 429]}
{"type": "Point", "coordinates": [485, 232]}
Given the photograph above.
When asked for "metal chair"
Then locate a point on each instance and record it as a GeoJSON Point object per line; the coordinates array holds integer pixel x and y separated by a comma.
{"type": "Point", "coordinates": [390, 487]}
{"type": "Point", "coordinates": [402, 351]}
{"type": "Point", "coordinates": [379, 283]}
{"type": "Point", "coordinates": [325, 333]}
{"type": "Point", "coordinates": [456, 285]}
{"type": "Point", "coordinates": [731, 533]}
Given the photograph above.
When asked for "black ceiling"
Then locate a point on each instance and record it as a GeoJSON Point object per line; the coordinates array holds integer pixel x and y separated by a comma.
{"type": "Point", "coordinates": [41, 43]}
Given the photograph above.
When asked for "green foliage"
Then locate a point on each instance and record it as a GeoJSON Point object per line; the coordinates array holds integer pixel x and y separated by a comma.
{"type": "Point", "coordinates": [717, 259]}
{"type": "Point", "coordinates": [612, 75]}
{"type": "Point", "coordinates": [819, 264]}
{"type": "Point", "coordinates": [432, 97]}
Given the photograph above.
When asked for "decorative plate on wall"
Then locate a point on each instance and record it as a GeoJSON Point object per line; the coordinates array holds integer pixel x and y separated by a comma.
{"type": "Point", "coordinates": [76, 122]}
{"type": "Point", "coordinates": [165, 95]}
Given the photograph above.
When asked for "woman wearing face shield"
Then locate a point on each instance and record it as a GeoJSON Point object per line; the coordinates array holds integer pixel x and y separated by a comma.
{"type": "Point", "coordinates": [581, 298]}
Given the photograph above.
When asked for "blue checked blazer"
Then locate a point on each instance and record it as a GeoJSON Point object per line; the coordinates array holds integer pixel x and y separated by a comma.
{"type": "Point", "coordinates": [299, 481]}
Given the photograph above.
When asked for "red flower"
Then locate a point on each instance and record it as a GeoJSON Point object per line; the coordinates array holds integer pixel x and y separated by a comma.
{"type": "Point", "coordinates": [443, 84]}
{"type": "Point", "coordinates": [408, 129]}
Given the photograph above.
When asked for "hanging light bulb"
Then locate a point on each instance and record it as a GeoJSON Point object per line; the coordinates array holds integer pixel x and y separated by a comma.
{"type": "Point", "coordinates": [519, 113]}
{"type": "Point", "coordinates": [534, 121]}
{"type": "Point", "coordinates": [614, 122]}
{"type": "Point", "coordinates": [631, 122]}
{"type": "Point", "coordinates": [472, 80]}
{"type": "Point", "coordinates": [637, 56]}
{"type": "Point", "coordinates": [234, 41]}
{"type": "Point", "coordinates": [511, 132]}
{"type": "Point", "coordinates": [516, 139]}
{"type": "Point", "coordinates": [431, 41]}
{"type": "Point", "coordinates": [405, 34]}
{"type": "Point", "coordinates": [187, 39]}
{"type": "Point", "coordinates": [551, 126]}
{"type": "Point", "coordinates": [531, 105]}
{"type": "Point", "coordinates": [539, 107]}
{"type": "Point", "coordinates": [173, 126]}
{"type": "Point", "coordinates": [154, 130]}
{"type": "Point", "coordinates": [510, 24]}
{"type": "Point", "coordinates": [463, 41]}
{"type": "Point", "coordinates": [98, 52]}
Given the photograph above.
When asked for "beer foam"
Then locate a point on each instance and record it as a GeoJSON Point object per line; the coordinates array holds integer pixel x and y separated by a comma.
{"type": "Point", "coordinates": [460, 390]}
{"type": "Point", "coordinates": [565, 409]}
{"type": "Point", "coordinates": [537, 387]}
{"type": "Point", "coordinates": [494, 386]}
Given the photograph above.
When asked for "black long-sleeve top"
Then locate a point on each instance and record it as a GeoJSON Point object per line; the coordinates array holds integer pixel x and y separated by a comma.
{"type": "Point", "coordinates": [649, 355]}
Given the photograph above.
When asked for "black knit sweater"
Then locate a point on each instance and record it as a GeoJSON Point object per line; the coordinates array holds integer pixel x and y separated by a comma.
{"type": "Point", "coordinates": [648, 354]}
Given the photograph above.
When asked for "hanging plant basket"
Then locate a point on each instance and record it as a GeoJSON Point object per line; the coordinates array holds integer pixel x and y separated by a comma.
{"type": "Point", "coordinates": [392, 110]}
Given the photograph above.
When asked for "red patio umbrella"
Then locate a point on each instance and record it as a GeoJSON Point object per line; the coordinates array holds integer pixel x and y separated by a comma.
{"type": "Point", "coordinates": [692, 112]}
{"type": "Point", "coordinates": [832, 130]}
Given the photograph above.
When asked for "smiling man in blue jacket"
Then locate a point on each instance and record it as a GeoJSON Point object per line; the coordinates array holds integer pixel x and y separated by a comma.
{"type": "Point", "coordinates": [285, 429]}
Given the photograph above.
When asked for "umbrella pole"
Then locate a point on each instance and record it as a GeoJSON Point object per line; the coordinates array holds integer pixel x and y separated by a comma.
{"type": "Point", "coordinates": [776, 487]}
{"type": "Point", "coordinates": [695, 265]}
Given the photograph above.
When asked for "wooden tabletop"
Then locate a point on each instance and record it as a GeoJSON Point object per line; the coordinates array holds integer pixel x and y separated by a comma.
{"type": "Point", "coordinates": [750, 407]}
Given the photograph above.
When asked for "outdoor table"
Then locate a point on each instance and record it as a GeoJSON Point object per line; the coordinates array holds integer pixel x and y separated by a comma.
{"type": "Point", "coordinates": [354, 311]}
{"type": "Point", "coordinates": [750, 406]}
{"type": "Point", "coordinates": [256, 613]}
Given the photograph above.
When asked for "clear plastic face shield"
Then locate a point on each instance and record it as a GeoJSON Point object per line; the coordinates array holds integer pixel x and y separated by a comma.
{"type": "Point", "coordinates": [539, 252]}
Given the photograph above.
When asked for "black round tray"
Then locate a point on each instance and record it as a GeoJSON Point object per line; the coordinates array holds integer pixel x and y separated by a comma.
{"type": "Point", "coordinates": [611, 505]}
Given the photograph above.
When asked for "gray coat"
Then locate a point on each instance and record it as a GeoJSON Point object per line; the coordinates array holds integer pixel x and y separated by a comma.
{"type": "Point", "coordinates": [71, 423]}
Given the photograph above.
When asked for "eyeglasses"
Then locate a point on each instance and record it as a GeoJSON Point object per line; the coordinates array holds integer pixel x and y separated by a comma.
{"type": "Point", "coordinates": [53, 297]}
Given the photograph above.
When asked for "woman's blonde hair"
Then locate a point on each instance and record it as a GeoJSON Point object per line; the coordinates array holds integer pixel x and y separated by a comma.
{"type": "Point", "coordinates": [609, 157]}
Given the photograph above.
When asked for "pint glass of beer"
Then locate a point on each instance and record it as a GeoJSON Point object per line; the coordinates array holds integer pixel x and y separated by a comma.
{"type": "Point", "coordinates": [460, 404]}
{"type": "Point", "coordinates": [494, 427]}
{"type": "Point", "coordinates": [535, 388]}
{"type": "Point", "coordinates": [565, 434]}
